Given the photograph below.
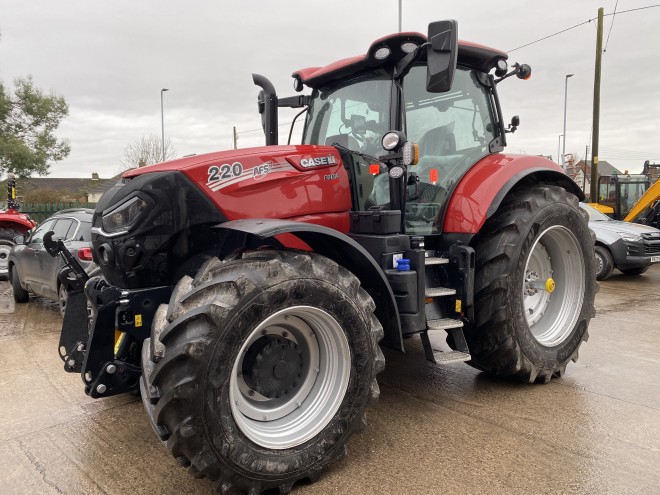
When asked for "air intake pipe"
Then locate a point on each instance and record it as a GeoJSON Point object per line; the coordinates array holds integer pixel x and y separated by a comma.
{"type": "Point", "coordinates": [267, 103]}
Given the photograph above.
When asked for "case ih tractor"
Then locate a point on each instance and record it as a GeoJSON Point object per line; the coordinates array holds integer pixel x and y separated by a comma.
{"type": "Point", "coordinates": [246, 292]}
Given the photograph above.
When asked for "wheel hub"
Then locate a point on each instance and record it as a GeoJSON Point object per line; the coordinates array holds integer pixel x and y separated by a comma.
{"type": "Point", "coordinates": [273, 366]}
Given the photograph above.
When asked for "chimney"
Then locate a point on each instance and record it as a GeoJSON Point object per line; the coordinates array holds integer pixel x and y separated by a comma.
{"type": "Point", "coordinates": [95, 176]}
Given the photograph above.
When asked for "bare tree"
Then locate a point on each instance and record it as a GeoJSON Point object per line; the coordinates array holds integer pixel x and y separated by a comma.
{"type": "Point", "coordinates": [146, 151]}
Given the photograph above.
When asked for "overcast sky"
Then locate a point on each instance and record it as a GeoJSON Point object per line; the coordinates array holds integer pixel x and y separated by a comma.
{"type": "Point", "coordinates": [110, 59]}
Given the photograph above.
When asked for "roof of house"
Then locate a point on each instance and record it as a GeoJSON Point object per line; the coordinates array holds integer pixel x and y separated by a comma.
{"type": "Point", "coordinates": [604, 168]}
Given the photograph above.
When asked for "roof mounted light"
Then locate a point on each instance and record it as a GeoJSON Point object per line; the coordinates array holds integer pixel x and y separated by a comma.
{"type": "Point", "coordinates": [382, 53]}
{"type": "Point", "coordinates": [501, 67]}
{"type": "Point", "coordinates": [408, 46]}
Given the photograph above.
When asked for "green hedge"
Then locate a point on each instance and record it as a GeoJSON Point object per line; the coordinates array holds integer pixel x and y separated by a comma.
{"type": "Point", "coordinates": [39, 212]}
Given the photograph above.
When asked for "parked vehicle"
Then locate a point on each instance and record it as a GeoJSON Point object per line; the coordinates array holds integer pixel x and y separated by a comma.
{"type": "Point", "coordinates": [251, 288]}
{"type": "Point", "coordinates": [629, 247]}
{"type": "Point", "coordinates": [33, 270]}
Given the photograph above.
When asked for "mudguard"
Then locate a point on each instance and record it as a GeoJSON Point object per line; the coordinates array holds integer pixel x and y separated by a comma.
{"type": "Point", "coordinates": [484, 186]}
{"type": "Point", "coordinates": [347, 253]}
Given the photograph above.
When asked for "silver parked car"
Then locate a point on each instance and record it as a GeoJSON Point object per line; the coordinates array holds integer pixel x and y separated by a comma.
{"type": "Point", "coordinates": [33, 270]}
{"type": "Point", "coordinates": [630, 247]}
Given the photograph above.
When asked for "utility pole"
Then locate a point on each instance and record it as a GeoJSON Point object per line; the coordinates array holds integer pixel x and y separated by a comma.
{"type": "Point", "coordinates": [563, 160]}
{"type": "Point", "coordinates": [400, 9]}
{"type": "Point", "coordinates": [596, 118]}
{"type": "Point", "coordinates": [235, 138]}
{"type": "Point", "coordinates": [584, 171]}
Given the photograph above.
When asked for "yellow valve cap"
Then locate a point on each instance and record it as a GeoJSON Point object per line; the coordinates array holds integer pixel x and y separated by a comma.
{"type": "Point", "coordinates": [550, 285]}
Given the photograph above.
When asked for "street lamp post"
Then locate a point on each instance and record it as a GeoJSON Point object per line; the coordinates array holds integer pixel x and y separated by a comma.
{"type": "Point", "coordinates": [559, 150]}
{"type": "Point", "coordinates": [565, 100]}
{"type": "Point", "coordinates": [162, 120]}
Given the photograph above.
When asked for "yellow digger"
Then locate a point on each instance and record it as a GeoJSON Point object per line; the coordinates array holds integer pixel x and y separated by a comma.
{"type": "Point", "coordinates": [630, 197]}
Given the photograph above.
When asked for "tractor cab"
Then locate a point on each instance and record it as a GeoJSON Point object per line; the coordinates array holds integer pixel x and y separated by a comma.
{"type": "Point", "coordinates": [434, 89]}
{"type": "Point", "coordinates": [453, 130]}
{"type": "Point", "coordinates": [618, 193]}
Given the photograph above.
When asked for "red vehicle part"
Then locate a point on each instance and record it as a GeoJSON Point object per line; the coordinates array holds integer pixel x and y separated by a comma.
{"type": "Point", "coordinates": [17, 221]}
{"type": "Point", "coordinates": [305, 183]}
{"type": "Point", "coordinates": [481, 190]}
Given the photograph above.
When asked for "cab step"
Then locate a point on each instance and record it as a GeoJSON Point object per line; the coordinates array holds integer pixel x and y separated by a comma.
{"type": "Point", "coordinates": [444, 324]}
{"type": "Point", "coordinates": [434, 260]}
{"type": "Point", "coordinates": [460, 355]}
{"type": "Point", "coordinates": [438, 292]}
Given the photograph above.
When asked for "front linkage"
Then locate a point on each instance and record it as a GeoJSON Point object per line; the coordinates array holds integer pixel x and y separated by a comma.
{"type": "Point", "coordinates": [103, 347]}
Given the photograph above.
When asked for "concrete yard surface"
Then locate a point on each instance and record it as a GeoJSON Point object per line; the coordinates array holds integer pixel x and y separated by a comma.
{"type": "Point", "coordinates": [448, 429]}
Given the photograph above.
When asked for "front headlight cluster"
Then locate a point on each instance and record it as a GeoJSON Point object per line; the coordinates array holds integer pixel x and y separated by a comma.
{"type": "Point", "coordinates": [626, 236]}
{"type": "Point", "coordinates": [124, 216]}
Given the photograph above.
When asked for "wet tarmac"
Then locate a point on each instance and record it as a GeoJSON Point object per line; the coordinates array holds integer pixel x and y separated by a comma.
{"type": "Point", "coordinates": [435, 430]}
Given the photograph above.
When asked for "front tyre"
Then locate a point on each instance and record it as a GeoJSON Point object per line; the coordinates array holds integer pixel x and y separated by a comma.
{"type": "Point", "coordinates": [260, 368]}
{"type": "Point", "coordinates": [535, 285]}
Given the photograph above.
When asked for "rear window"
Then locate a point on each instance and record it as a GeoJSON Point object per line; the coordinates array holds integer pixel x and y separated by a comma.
{"type": "Point", "coordinates": [84, 232]}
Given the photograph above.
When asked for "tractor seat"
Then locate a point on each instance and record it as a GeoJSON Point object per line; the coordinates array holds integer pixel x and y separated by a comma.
{"type": "Point", "coordinates": [439, 141]}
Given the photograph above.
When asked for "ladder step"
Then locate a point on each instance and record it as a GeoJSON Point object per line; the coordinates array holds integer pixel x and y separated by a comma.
{"type": "Point", "coordinates": [444, 324]}
{"type": "Point", "coordinates": [433, 260]}
{"type": "Point", "coordinates": [450, 357]}
{"type": "Point", "coordinates": [439, 292]}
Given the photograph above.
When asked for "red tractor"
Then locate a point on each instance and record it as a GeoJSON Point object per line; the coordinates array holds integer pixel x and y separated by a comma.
{"type": "Point", "coordinates": [246, 292]}
{"type": "Point", "coordinates": [12, 224]}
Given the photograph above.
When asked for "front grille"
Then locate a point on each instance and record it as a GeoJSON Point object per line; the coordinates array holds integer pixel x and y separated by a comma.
{"type": "Point", "coordinates": [652, 247]}
{"type": "Point", "coordinates": [651, 242]}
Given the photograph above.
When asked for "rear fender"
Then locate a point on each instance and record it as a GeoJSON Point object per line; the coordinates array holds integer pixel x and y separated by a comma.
{"type": "Point", "coordinates": [344, 251]}
{"type": "Point", "coordinates": [481, 191]}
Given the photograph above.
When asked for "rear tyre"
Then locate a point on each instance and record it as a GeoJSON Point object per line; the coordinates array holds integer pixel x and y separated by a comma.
{"type": "Point", "coordinates": [604, 263]}
{"type": "Point", "coordinates": [20, 294]}
{"type": "Point", "coordinates": [260, 368]}
{"type": "Point", "coordinates": [62, 298]}
{"type": "Point", "coordinates": [534, 286]}
{"type": "Point", "coordinates": [6, 243]}
{"type": "Point", "coordinates": [635, 271]}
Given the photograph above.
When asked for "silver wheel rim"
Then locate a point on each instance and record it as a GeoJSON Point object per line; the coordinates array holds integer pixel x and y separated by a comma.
{"type": "Point", "coordinates": [600, 264]}
{"type": "Point", "coordinates": [553, 285]}
{"type": "Point", "coordinates": [322, 359]}
{"type": "Point", "coordinates": [4, 256]}
{"type": "Point", "coordinates": [63, 298]}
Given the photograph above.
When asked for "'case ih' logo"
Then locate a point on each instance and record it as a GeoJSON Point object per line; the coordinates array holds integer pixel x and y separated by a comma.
{"type": "Point", "coordinates": [317, 161]}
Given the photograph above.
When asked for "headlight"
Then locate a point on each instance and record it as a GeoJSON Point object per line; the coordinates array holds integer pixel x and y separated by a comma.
{"type": "Point", "coordinates": [124, 216]}
{"type": "Point", "coordinates": [626, 236]}
{"type": "Point", "coordinates": [393, 140]}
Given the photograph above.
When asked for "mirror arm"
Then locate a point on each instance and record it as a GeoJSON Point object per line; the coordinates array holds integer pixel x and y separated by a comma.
{"type": "Point", "coordinates": [404, 65]}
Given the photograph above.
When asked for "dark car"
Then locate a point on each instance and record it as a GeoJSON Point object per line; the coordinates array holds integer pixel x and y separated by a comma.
{"type": "Point", "coordinates": [630, 247]}
{"type": "Point", "coordinates": [33, 270]}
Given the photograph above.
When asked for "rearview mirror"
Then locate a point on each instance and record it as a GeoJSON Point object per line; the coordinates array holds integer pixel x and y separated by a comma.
{"type": "Point", "coordinates": [441, 55]}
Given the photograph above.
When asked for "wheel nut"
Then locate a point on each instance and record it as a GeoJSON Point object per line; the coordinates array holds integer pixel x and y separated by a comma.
{"type": "Point", "coordinates": [71, 363]}
{"type": "Point", "coordinates": [80, 348]}
{"type": "Point", "coordinates": [110, 369]}
{"type": "Point", "coordinates": [100, 388]}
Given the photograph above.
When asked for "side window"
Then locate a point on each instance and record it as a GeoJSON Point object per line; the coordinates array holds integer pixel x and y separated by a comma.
{"type": "Point", "coordinates": [38, 235]}
{"type": "Point", "coordinates": [61, 228]}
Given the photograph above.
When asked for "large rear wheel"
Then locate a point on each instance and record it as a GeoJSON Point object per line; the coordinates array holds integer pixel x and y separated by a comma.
{"type": "Point", "coordinates": [534, 286]}
{"type": "Point", "coordinates": [260, 368]}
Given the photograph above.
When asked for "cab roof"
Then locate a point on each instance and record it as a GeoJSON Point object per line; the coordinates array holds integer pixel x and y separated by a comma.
{"type": "Point", "coordinates": [471, 55]}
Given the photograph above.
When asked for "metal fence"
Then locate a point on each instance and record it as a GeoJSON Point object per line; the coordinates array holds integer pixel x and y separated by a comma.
{"type": "Point", "coordinates": [39, 212]}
